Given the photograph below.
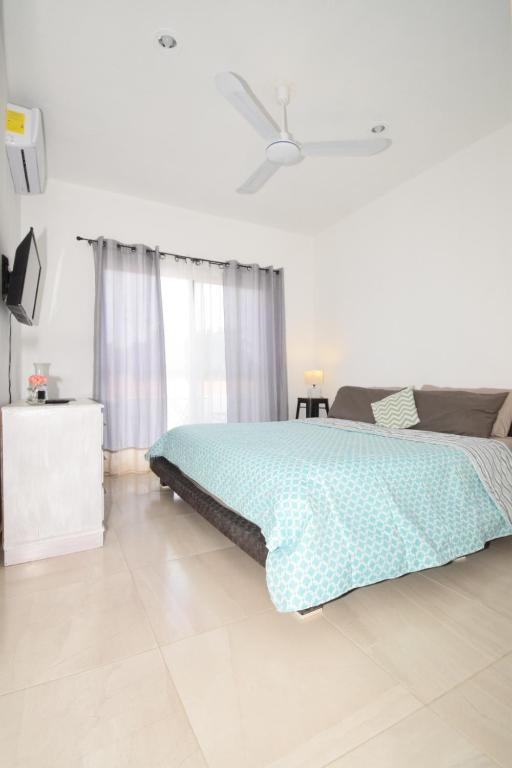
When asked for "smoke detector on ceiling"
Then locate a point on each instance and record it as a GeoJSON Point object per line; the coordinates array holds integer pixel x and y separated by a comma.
{"type": "Point", "coordinates": [166, 40]}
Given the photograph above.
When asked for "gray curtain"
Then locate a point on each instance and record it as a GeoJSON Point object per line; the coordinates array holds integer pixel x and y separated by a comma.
{"type": "Point", "coordinates": [254, 327]}
{"type": "Point", "coordinates": [129, 349]}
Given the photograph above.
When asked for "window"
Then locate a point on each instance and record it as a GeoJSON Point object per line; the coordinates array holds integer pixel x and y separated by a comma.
{"type": "Point", "coordinates": [193, 310]}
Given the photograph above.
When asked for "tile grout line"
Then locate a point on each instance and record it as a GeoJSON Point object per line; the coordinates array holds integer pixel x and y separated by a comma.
{"type": "Point", "coordinates": [376, 662]}
{"type": "Point", "coordinates": [149, 563]}
{"type": "Point", "coordinates": [167, 670]}
{"type": "Point", "coordinates": [424, 705]}
{"type": "Point", "coordinates": [456, 727]}
{"type": "Point", "coordinates": [96, 666]}
{"type": "Point", "coordinates": [81, 672]}
{"type": "Point", "coordinates": [456, 633]}
{"type": "Point", "coordinates": [405, 685]}
{"type": "Point", "coordinates": [202, 632]}
{"type": "Point", "coordinates": [412, 714]}
{"type": "Point", "coordinates": [155, 647]}
{"type": "Point", "coordinates": [143, 566]}
{"type": "Point", "coordinates": [190, 513]}
{"type": "Point", "coordinates": [468, 596]}
{"type": "Point", "coordinates": [405, 688]}
{"type": "Point", "coordinates": [178, 694]}
{"type": "Point", "coordinates": [169, 675]}
{"type": "Point", "coordinates": [159, 645]}
{"type": "Point", "coordinates": [424, 607]}
{"type": "Point", "coordinates": [371, 738]}
{"type": "Point", "coordinates": [470, 678]}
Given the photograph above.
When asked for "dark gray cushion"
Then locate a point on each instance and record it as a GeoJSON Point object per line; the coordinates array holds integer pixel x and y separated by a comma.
{"type": "Point", "coordinates": [454, 411]}
{"type": "Point", "coordinates": [458, 412]}
{"type": "Point", "coordinates": [354, 403]}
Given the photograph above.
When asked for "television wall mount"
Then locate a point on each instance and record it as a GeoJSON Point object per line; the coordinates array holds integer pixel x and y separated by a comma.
{"type": "Point", "coordinates": [6, 276]}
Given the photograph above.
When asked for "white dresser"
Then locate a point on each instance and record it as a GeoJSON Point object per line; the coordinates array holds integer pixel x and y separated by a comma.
{"type": "Point", "coordinates": [52, 479]}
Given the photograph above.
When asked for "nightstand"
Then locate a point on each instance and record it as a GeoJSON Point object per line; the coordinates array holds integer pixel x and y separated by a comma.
{"type": "Point", "coordinates": [313, 405]}
{"type": "Point", "coordinates": [52, 479]}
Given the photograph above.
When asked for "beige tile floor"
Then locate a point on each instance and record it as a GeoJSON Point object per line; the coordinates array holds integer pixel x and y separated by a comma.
{"type": "Point", "coordinates": [163, 650]}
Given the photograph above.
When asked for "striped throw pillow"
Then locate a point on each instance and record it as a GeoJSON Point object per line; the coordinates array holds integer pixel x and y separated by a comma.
{"type": "Point", "coordinates": [397, 411]}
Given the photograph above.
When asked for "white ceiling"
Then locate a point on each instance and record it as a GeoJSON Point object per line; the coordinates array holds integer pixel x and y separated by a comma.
{"type": "Point", "coordinates": [123, 115]}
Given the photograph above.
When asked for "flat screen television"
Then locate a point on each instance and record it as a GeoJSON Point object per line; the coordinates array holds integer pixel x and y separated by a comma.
{"type": "Point", "coordinates": [25, 281]}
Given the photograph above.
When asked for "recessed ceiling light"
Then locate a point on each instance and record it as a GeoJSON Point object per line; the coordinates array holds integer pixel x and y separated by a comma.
{"type": "Point", "coordinates": [166, 41]}
{"type": "Point", "coordinates": [378, 129]}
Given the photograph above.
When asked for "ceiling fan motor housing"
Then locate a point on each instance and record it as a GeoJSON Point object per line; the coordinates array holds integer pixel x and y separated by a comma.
{"type": "Point", "coordinates": [284, 152]}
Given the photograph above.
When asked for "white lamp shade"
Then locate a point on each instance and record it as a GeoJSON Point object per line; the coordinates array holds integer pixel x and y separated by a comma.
{"type": "Point", "coordinates": [314, 377]}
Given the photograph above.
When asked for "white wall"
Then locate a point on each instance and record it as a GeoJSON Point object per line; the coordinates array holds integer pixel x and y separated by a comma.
{"type": "Point", "coordinates": [9, 235]}
{"type": "Point", "coordinates": [413, 288]}
{"type": "Point", "coordinates": [416, 287]}
{"type": "Point", "coordinates": [64, 336]}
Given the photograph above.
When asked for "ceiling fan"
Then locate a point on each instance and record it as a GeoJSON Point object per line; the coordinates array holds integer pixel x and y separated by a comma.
{"type": "Point", "coordinates": [282, 148]}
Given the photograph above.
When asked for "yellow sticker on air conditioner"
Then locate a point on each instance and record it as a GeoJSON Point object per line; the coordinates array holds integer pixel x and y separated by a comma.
{"type": "Point", "coordinates": [14, 121]}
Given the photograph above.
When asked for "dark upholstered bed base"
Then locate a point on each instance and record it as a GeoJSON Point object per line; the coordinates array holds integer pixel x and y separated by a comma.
{"type": "Point", "coordinates": [242, 532]}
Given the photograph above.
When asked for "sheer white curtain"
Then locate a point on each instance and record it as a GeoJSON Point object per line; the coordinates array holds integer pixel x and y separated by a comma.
{"type": "Point", "coordinates": [193, 313]}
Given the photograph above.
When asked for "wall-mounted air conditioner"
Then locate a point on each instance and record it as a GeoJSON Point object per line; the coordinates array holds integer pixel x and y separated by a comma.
{"type": "Point", "coordinates": [24, 142]}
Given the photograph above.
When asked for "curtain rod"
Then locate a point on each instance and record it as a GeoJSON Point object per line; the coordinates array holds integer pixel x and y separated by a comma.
{"type": "Point", "coordinates": [178, 256]}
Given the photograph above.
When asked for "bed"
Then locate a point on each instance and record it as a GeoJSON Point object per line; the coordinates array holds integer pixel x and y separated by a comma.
{"type": "Point", "coordinates": [330, 504]}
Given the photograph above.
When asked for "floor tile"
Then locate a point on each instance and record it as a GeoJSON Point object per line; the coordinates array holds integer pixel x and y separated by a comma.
{"type": "Point", "coordinates": [52, 573]}
{"type": "Point", "coordinates": [125, 715]}
{"type": "Point", "coordinates": [486, 575]}
{"type": "Point", "coordinates": [169, 537]}
{"type": "Point", "coordinates": [81, 625]}
{"type": "Point", "coordinates": [194, 594]}
{"type": "Point", "coordinates": [481, 709]}
{"type": "Point", "coordinates": [428, 636]}
{"type": "Point", "coordinates": [420, 741]}
{"type": "Point", "coordinates": [131, 485]}
{"type": "Point", "coordinates": [133, 510]}
{"type": "Point", "coordinates": [277, 690]}
{"type": "Point", "coordinates": [486, 629]}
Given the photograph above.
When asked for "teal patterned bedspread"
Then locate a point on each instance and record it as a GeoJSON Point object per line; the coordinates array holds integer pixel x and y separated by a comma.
{"type": "Point", "coordinates": [340, 505]}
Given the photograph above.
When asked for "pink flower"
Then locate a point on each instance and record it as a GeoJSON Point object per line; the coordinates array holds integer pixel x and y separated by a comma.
{"type": "Point", "coordinates": [36, 380]}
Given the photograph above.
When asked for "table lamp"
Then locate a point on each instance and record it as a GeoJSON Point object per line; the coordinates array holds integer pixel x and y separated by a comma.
{"type": "Point", "coordinates": [313, 378]}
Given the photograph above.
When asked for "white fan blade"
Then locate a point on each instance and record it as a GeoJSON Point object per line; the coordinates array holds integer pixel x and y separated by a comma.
{"type": "Point", "coordinates": [355, 148]}
{"type": "Point", "coordinates": [238, 93]}
{"type": "Point", "coordinates": [260, 177]}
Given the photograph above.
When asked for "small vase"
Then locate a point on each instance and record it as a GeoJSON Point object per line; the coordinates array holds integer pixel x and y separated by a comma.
{"type": "Point", "coordinates": [33, 397]}
{"type": "Point", "coordinates": [42, 369]}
